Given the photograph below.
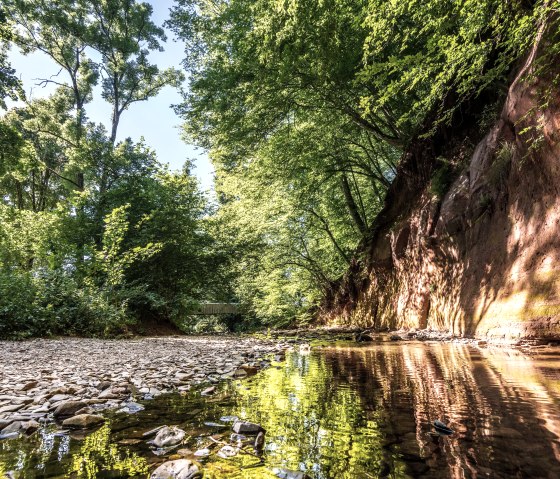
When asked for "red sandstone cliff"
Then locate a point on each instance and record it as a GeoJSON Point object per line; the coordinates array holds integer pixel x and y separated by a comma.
{"type": "Point", "coordinates": [484, 259]}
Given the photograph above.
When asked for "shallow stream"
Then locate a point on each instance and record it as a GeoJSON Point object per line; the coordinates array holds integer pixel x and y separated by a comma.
{"type": "Point", "coordinates": [340, 411]}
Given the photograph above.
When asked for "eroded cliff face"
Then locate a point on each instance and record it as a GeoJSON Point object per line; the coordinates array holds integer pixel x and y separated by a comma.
{"type": "Point", "coordinates": [484, 259]}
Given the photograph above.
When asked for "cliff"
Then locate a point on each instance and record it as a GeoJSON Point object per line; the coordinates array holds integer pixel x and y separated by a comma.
{"type": "Point", "coordinates": [469, 238]}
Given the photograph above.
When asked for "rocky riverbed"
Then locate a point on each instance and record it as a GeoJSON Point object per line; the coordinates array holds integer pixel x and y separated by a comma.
{"type": "Point", "coordinates": [73, 380]}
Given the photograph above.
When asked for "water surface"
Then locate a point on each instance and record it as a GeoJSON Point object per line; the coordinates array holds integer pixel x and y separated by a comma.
{"type": "Point", "coordinates": [343, 411]}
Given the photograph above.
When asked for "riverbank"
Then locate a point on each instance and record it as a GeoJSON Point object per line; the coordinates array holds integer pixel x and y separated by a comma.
{"type": "Point", "coordinates": [38, 377]}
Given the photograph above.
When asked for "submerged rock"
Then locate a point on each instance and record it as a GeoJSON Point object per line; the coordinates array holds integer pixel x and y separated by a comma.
{"type": "Point", "coordinates": [247, 428]}
{"type": "Point", "coordinates": [169, 436]}
{"type": "Point", "coordinates": [178, 469]}
{"type": "Point", "coordinates": [259, 441]}
{"type": "Point", "coordinates": [442, 429]}
{"type": "Point", "coordinates": [227, 452]}
{"type": "Point", "coordinates": [288, 474]}
{"type": "Point", "coordinates": [202, 452]}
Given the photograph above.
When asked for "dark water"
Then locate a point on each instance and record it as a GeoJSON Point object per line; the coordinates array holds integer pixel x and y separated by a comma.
{"type": "Point", "coordinates": [344, 412]}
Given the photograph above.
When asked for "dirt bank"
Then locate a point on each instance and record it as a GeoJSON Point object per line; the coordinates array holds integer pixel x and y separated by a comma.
{"type": "Point", "coordinates": [481, 258]}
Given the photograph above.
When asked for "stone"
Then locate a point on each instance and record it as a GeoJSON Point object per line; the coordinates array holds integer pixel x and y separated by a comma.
{"type": "Point", "coordinates": [202, 452]}
{"type": "Point", "coordinates": [83, 421]}
{"type": "Point", "coordinates": [11, 408]}
{"type": "Point", "coordinates": [247, 428]}
{"type": "Point", "coordinates": [30, 385]}
{"type": "Point", "coordinates": [209, 391]}
{"type": "Point", "coordinates": [259, 441]}
{"type": "Point", "coordinates": [227, 451]}
{"type": "Point", "coordinates": [151, 432]}
{"type": "Point", "coordinates": [288, 474]}
{"type": "Point", "coordinates": [68, 408]}
{"type": "Point", "coordinates": [13, 427]}
{"type": "Point", "coordinates": [169, 436]}
{"type": "Point", "coordinates": [58, 397]}
{"type": "Point", "coordinates": [104, 385]}
{"type": "Point", "coordinates": [29, 427]}
{"type": "Point", "coordinates": [109, 393]}
{"type": "Point", "coordinates": [178, 469]}
{"type": "Point", "coordinates": [132, 408]}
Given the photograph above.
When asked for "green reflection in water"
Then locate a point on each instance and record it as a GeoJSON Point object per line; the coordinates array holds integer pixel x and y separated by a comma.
{"type": "Point", "coordinates": [97, 453]}
{"type": "Point", "coordinates": [314, 423]}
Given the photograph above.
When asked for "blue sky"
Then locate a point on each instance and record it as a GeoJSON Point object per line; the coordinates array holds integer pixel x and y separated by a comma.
{"type": "Point", "coordinates": [154, 119]}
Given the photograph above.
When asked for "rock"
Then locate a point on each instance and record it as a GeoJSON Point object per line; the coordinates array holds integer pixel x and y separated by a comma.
{"type": "Point", "coordinates": [178, 469]}
{"type": "Point", "coordinates": [30, 385]}
{"type": "Point", "coordinates": [184, 376]}
{"type": "Point", "coordinates": [58, 397]}
{"type": "Point", "coordinates": [215, 425]}
{"type": "Point", "coordinates": [151, 432]}
{"type": "Point", "coordinates": [184, 452]}
{"type": "Point", "coordinates": [248, 428]}
{"type": "Point", "coordinates": [259, 441]}
{"type": "Point", "coordinates": [441, 428]}
{"type": "Point", "coordinates": [202, 452]}
{"type": "Point", "coordinates": [29, 427]}
{"type": "Point", "coordinates": [68, 408]}
{"type": "Point", "coordinates": [209, 391]}
{"type": "Point", "coordinates": [288, 474]}
{"type": "Point", "coordinates": [132, 408]}
{"type": "Point", "coordinates": [83, 421]}
{"type": "Point", "coordinates": [227, 452]}
{"type": "Point", "coordinates": [109, 393]}
{"type": "Point", "coordinates": [169, 436]}
{"type": "Point", "coordinates": [229, 418]}
{"type": "Point", "coordinates": [104, 385]}
{"type": "Point", "coordinates": [12, 428]}
{"type": "Point", "coordinates": [11, 408]}
{"type": "Point", "coordinates": [395, 337]}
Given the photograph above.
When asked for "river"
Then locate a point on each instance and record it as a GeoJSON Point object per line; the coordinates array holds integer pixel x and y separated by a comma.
{"type": "Point", "coordinates": [341, 410]}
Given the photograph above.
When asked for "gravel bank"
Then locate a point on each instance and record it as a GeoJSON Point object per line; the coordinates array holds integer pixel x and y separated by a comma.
{"type": "Point", "coordinates": [38, 376]}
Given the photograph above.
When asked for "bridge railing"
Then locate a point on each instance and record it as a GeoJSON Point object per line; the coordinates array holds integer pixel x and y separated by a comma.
{"type": "Point", "coordinates": [207, 309]}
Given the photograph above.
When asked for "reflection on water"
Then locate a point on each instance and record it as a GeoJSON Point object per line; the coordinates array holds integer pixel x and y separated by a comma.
{"type": "Point", "coordinates": [345, 411]}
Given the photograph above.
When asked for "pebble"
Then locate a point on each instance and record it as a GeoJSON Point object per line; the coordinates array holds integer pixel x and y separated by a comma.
{"type": "Point", "coordinates": [43, 376]}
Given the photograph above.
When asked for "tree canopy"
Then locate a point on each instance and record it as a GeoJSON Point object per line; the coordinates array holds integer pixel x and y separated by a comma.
{"type": "Point", "coordinates": [306, 109]}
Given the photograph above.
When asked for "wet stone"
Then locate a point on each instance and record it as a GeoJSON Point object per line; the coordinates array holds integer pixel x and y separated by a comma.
{"type": "Point", "coordinates": [169, 436]}
{"type": "Point", "coordinates": [178, 469]}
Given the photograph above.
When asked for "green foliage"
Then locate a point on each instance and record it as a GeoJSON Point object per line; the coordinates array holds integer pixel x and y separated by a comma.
{"type": "Point", "coordinates": [95, 234]}
{"type": "Point", "coordinates": [306, 108]}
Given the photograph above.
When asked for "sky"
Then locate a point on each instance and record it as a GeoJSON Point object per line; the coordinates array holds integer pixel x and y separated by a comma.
{"type": "Point", "coordinates": [153, 119]}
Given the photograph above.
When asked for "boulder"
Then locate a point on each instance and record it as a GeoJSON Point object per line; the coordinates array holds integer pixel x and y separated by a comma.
{"type": "Point", "coordinates": [178, 469]}
{"type": "Point", "coordinates": [68, 408]}
{"type": "Point", "coordinates": [169, 436]}
{"type": "Point", "coordinates": [247, 428]}
{"type": "Point", "coordinates": [83, 421]}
